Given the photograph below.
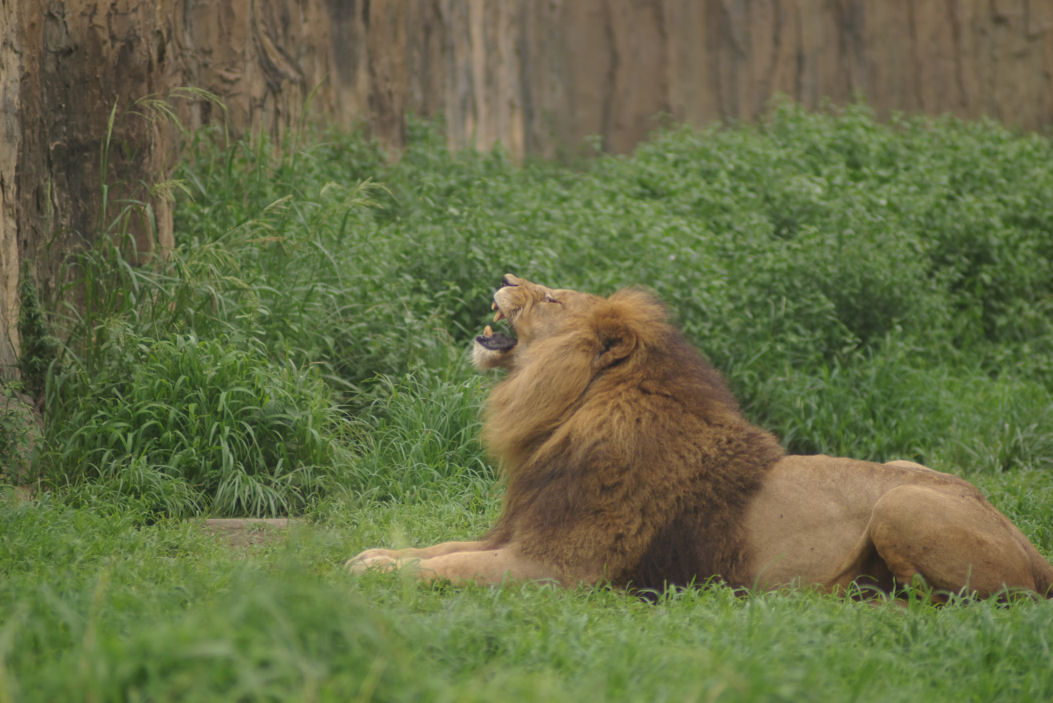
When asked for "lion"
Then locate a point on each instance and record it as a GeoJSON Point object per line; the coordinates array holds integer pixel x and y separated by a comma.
{"type": "Point", "coordinates": [626, 461]}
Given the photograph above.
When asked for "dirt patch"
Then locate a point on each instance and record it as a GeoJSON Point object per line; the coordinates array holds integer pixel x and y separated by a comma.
{"type": "Point", "coordinates": [244, 533]}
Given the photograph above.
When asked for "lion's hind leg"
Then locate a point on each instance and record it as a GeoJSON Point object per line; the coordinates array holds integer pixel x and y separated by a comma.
{"type": "Point", "coordinates": [952, 538]}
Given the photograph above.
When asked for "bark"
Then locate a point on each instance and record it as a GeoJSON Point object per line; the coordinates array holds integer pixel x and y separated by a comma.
{"type": "Point", "coordinates": [538, 77]}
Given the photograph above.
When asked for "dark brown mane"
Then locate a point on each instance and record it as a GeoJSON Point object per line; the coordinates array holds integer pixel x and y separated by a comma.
{"type": "Point", "coordinates": [646, 460]}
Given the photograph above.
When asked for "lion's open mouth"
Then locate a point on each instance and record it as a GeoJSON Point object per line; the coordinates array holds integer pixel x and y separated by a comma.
{"type": "Point", "coordinates": [495, 341]}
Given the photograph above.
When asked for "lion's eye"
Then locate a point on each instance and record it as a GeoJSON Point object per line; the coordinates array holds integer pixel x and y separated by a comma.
{"type": "Point", "coordinates": [549, 299]}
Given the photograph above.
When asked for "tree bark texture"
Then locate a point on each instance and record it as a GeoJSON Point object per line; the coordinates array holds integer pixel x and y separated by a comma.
{"type": "Point", "coordinates": [538, 76]}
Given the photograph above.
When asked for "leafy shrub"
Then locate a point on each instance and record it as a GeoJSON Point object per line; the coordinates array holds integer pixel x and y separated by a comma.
{"type": "Point", "coordinates": [832, 265]}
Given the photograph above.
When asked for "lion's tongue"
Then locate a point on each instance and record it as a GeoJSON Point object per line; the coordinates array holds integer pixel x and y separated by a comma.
{"type": "Point", "coordinates": [495, 342]}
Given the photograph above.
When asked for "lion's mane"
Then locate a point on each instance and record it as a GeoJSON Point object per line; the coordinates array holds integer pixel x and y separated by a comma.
{"type": "Point", "coordinates": [614, 434]}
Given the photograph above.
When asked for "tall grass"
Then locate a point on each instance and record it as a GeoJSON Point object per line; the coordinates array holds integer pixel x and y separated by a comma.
{"type": "Point", "coordinates": [189, 426]}
{"type": "Point", "coordinates": [878, 290]}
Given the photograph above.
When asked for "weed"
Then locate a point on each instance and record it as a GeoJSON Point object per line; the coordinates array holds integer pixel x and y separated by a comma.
{"type": "Point", "coordinates": [39, 345]}
{"type": "Point", "coordinates": [19, 433]}
{"type": "Point", "coordinates": [189, 426]}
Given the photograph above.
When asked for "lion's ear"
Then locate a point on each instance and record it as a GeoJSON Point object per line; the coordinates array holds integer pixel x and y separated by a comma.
{"type": "Point", "coordinates": [617, 341]}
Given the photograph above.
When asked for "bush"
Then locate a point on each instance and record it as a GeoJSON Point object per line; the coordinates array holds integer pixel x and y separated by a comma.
{"type": "Point", "coordinates": [189, 426]}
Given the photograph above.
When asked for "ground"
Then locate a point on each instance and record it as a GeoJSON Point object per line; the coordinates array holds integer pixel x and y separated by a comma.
{"type": "Point", "coordinates": [243, 533]}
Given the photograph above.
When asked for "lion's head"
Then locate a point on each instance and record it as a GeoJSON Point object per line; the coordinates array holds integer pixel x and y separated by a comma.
{"type": "Point", "coordinates": [565, 345]}
{"type": "Point", "coordinates": [538, 314]}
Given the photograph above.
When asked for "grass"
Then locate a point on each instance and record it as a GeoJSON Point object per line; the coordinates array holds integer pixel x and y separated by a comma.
{"type": "Point", "coordinates": [873, 290]}
{"type": "Point", "coordinates": [190, 426]}
{"type": "Point", "coordinates": [164, 613]}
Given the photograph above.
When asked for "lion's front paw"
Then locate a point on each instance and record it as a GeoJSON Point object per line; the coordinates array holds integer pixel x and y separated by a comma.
{"type": "Point", "coordinates": [373, 554]}
{"type": "Point", "coordinates": [363, 562]}
{"type": "Point", "coordinates": [375, 559]}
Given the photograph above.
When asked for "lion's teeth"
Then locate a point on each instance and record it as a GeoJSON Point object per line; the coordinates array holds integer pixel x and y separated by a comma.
{"type": "Point", "coordinates": [488, 331]}
{"type": "Point", "coordinates": [493, 305]}
{"type": "Point", "coordinates": [498, 316]}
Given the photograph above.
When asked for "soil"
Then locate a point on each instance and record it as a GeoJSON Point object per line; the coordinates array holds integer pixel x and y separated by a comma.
{"type": "Point", "coordinates": [246, 533]}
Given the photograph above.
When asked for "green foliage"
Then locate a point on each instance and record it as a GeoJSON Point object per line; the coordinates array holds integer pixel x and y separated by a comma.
{"type": "Point", "coordinates": [98, 609]}
{"type": "Point", "coordinates": [39, 346]}
{"type": "Point", "coordinates": [283, 249]}
{"type": "Point", "coordinates": [188, 426]}
{"type": "Point", "coordinates": [420, 439]}
{"type": "Point", "coordinates": [867, 288]}
{"type": "Point", "coordinates": [873, 290]}
{"type": "Point", "coordinates": [18, 433]}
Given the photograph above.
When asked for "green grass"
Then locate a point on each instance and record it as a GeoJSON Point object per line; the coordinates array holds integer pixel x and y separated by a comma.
{"type": "Point", "coordinates": [165, 613]}
{"type": "Point", "coordinates": [188, 426]}
{"type": "Point", "coordinates": [874, 290]}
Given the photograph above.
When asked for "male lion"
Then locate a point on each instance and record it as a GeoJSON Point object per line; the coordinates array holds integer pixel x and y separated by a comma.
{"type": "Point", "coordinates": [626, 460]}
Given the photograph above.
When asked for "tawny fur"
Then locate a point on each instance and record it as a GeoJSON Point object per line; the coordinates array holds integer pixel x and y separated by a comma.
{"type": "Point", "coordinates": [573, 432]}
{"type": "Point", "coordinates": [626, 460]}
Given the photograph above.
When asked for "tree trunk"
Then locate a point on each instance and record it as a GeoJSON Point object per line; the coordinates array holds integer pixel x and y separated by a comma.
{"type": "Point", "coordinates": [66, 68]}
